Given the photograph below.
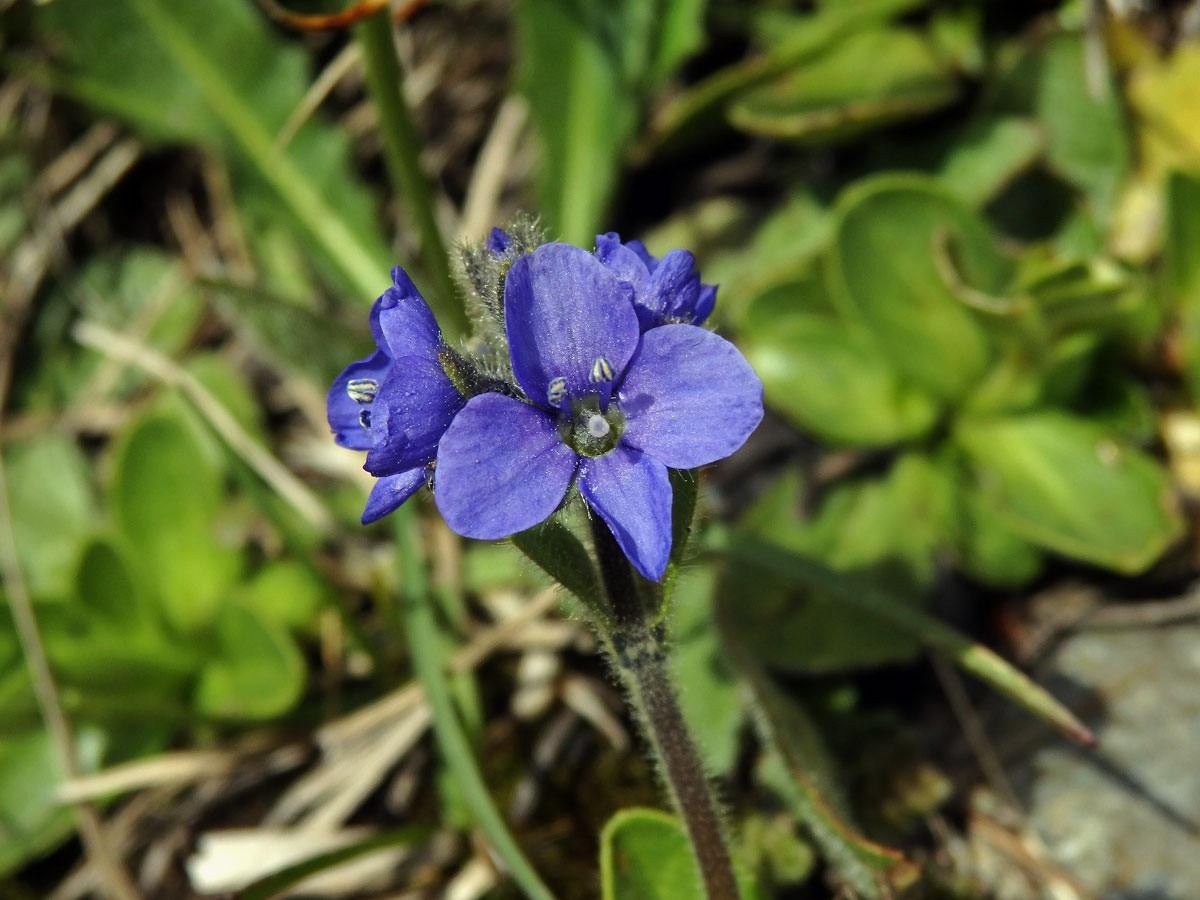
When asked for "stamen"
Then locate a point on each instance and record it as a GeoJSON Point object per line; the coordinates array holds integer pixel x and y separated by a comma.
{"type": "Point", "coordinates": [597, 425]}
{"type": "Point", "coordinates": [601, 370]}
{"type": "Point", "coordinates": [364, 418]}
{"type": "Point", "coordinates": [557, 391]}
{"type": "Point", "coordinates": [362, 390]}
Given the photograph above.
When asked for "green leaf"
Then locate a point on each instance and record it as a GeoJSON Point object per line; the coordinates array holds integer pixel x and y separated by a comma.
{"type": "Point", "coordinates": [800, 767]}
{"type": "Point", "coordinates": [775, 851]}
{"type": "Point", "coordinates": [1087, 138]}
{"type": "Point", "coordinates": [256, 672]}
{"type": "Point", "coordinates": [645, 855]}
{"type": "Point", "coordinates": [883, 269]}
{"type": "Point", "coordinates": [711, 704]}
{"type": "Point", "coordinates": [886, 530]}
{"type": "Point", "coordinates": [988, 154]}
{"type": "Point", "coordinates": [792, 40]}
{"type": "Point", "coordinates": [587, 70]}
{"type": "Point", "coordinates": [1093, 296]}
{"type": "Point", "coordinates": [828, 378]}
{"type": "Point", "coordinates": [780, 255]}
{"type": "Point", "coordinates": [560, 554]}
{"type": "Point", "coordinates": [19, 711]}
{"type": "Point", "coordinates": [685, 493]}
{"type": "Point", "coordinates": [583, 106]}
{"type": "Point", "coordinates": [166, 496]}
{"type": "Point", "coordinates": [867, 80]}
{"type": "Point", "coordinates": [32, 821]}
{"type": "Point", "coordinates": [287, 593]}
{"type": "Point", "coordinates": [109, 638]}
{"type": "Point", "coordinates": [1181, 268]}
{"type": "Point", "coordinates": [217, 74]}
{"type": "Point", "coordinates": [1066, 484]}
{"type": "Point", "coordinates": [680, 25]}
{"type": "Point", "coordinates": [877, 602]}
{"type": "Point", "coordinates": [51, 499]}
{"type": "Point", "coordinates": [987, 549]}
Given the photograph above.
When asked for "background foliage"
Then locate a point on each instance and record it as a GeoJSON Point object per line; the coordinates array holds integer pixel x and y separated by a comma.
{"type": "Point", "coordinates": [959, 242]}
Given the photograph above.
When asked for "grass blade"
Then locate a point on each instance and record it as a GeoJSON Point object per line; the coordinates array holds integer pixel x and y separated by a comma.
{"type": "Point", "coordinates": [424, 643]}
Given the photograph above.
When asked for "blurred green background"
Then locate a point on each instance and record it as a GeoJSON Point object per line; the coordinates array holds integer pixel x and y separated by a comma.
{"type": "Point", "coordinates": [960, 242]}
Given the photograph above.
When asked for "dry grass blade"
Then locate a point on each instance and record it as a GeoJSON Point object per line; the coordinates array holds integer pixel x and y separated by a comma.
{"type": "Point", "coordinates": [171, 769]}
{"type": "Point", "coordinates": [31, 260]}
{"type": "Point", "coordinates": [270, 469]}
{"type": "Point", "coordinates": [359, 749]}
{"type": "Point", "coordinates": [349, 59]}
{"type": "Point", "coordinates": [492, 169]}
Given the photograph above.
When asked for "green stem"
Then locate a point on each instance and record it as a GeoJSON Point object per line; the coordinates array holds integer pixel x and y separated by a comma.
{"type": "Point", "coordinates": [425, 645]}
{"type": "Point", "coordinates": [402, 157]}
{"type": "Point", "coordinates": [641, 660]}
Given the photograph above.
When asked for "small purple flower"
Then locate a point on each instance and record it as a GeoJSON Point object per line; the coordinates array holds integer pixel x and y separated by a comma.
{"type": "Point", "coordinates": [396, 403]}
{"type": "Point", "coordinates": [498, 241]}
{"type": "Point", "coordinates": [663, 291]}
{"type": "Point", "coordinates": [610, 407]}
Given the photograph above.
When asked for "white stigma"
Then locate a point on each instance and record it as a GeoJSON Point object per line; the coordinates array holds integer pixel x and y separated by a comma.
{"type": "Point", "coordinates": [597, 425]}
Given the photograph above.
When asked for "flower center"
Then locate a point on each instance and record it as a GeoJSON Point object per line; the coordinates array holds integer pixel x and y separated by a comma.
{"type": "Point", "coordinates": [587, 430]}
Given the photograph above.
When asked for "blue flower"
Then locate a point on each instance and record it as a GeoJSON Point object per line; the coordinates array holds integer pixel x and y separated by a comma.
{"type": "Point", "coordinates": [396, 403]}
{"type": "Point", "coordinates": [664, 290]}
{"type": "Point", "coordinates": [498, 241]}
{"type": "Point", "coordinates": [611, 405]}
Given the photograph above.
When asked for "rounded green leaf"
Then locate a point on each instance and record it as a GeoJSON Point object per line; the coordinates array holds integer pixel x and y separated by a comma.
{"type": "Point", "coordinates": [645, 855]}
{"type": "Point", "coordinates": [868, 79]}
{"type": "Point", "coordinates": [287, 593]}
{"type": "Point", "coordinates": [52, 503]}
{"type": "Point", "coordinates": [32, 820]}
{"type": "Point", "coordinates": [257, 672]}
{"type": "Point", "coordinates": [894, 239]}
{"type": "Point", "coordinates": [109, 638]}
{"type": "Point", "coordinates": [829, 379]}
{"type": "Point", "coordinates": [166, 497]}
{"type": "Point", "coordinates": [990, 551]}
{"type": "Point", "coordinates": [1068, 485]}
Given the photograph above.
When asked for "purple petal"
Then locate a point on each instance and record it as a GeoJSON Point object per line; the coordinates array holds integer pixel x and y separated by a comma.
{"type": "Point", "coordinates": [498, 241]}
{"type": "Point", "coordinates": [412, 409]}
{"type": "Point", "coordinates": [705, 303]}
{"type": "Point", "coordinates": [401, 321]}
{"type": "Point", "coordinates": [632, 493]}
{"type": "Point", "coordinates": [350, 418]}
{"type": "Point", "coordinates": [644, 255]}
{"type": "Point", "coordinates": [689, 397]}
{"type": "Point", "coordinates": [672, 291]}
{"type": "Point", "coordinates": [631, 270]}
{"type": "Point", "coordinates": [501, 468]}
{"type": "Point", "coordinates": [564, 312]}
{"type": "Point", "coordinates": [389, 492]}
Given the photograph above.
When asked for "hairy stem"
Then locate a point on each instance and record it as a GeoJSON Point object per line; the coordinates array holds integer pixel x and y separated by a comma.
{"type": "Point", "coordinates": [402, 158]}
{"type": "Point", "coordinates": [642, 661]}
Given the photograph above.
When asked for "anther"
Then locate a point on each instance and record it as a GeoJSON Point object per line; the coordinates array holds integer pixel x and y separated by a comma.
{"type": "Point", "coordinates": [362, 390]}
{"type": "Point", "coordinates": [364, 418]}
{"type": "Point", "coordinates": [601, 370]}
{"type": "Point", "coordinates": [557, 391]}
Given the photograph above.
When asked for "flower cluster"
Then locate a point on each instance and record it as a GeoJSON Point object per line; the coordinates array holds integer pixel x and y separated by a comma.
{"type": "Point", "coordinates": [604, 382]}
